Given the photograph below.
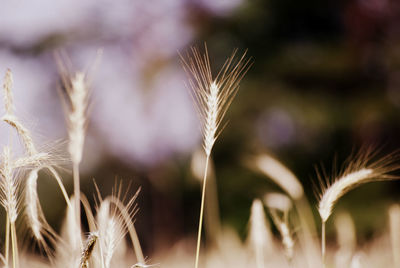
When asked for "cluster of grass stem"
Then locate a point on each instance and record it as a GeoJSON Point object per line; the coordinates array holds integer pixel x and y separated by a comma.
{"type": "Point", "coordinates": [12, 170]}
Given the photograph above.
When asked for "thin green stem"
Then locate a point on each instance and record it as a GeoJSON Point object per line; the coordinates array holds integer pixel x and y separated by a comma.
{"type": "Point", "coordinates": [201, 212]}
{"type": "Point", "coordinates": [77, 195]}
{"type": "Point", "coordinates": [323, 244]}
{"type": "Point", "coordinates": [7, 249]}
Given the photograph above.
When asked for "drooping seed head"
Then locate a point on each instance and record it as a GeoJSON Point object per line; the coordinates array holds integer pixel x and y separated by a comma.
{"type": "Point", "coordinates": [31, 205]}
{"type": "Point", "coordinates": [360, 169]}
{"type": "Point", "coordinates": [339, 188]}
{"type": "Point", "coordinates": [279, 174]}
{"type": "Point", "coordinates": [278, 201]}
{"type": "Point", "coordinates": [22, 131]}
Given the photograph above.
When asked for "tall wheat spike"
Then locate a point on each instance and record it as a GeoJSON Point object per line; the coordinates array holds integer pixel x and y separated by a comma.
{"type": "Point", "coordinates": [360, 169]}
{"type": "Point", "coordinates": [76, 106]}
{"type": "Point", "coordinates": [11, 173]}
{"type": "Point", "coordinates": [9, 185]}
{"type": "Point", "coordinates": [212, 97]}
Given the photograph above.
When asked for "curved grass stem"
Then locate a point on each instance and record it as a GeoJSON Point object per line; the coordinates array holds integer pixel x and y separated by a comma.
{"type": "Point", "coordinates": [60, 185]}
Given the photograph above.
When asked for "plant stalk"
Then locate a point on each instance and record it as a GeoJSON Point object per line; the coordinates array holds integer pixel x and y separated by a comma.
{"type": "Point", "coordinates": [77, 194]}
{"type": "Point", "coordinates": [201, 212]}
{"type": "Point", "coordinates": [7, 250]}
{"type": "Point", "coordinates": [14, 245]}
{"type": "Point", "coordinates": [323, 244]}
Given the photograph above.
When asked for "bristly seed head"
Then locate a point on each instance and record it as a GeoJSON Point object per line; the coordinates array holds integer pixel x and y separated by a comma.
{"type": "Point", "coordinates": [361, 169]}
{"type": "Point", "coordinates": [213, 96]}
{"type": "Point", "coordinates": [78, 95]}
{"type": "Point", "coordinates": [9, 186]}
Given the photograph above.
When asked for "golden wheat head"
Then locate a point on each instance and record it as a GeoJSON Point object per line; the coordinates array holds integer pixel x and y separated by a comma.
{"type": "Point", "coordinates": [213, 96]}
{"type": "Point", "coordinates": [360, 169]}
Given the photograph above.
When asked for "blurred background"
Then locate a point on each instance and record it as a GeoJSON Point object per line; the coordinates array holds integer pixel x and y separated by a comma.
{"type": "Point", "coordinates": [325, 81]}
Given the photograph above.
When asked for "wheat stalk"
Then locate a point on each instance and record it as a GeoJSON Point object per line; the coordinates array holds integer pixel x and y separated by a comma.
{"type": "Point", "coordinates": [212, 97]}
{"type": "Point", "coordinates": [394, 222]}
{"type": "Point", "coordinates": [125, 214]}
{"type": "Point", "coordinates": [9, 199]}
{"type": "Point", "coordinates": [358, 171]}
{"type": "Point", "coordinates": [76, 105]}
{"type": "Point", "coordinates": [111, 231]}
{"type": "Point", "coordinates": [36, 219]}
{"type": "Point", "coordinates": [9, 186]}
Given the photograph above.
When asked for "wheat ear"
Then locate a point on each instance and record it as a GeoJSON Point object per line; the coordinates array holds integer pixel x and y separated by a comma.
{"type": "Point", "coordinates": [9, 200]}
{"type": "Point", "coordinates": [212, 97]}
{"type": "Point", "coordinates": [361, 170]}
{"type": "Point", "coordinates": [33, 211]}
{"type": "Point", "coordinates": [76, 105]}
{"type": "Point", "coordinates": [114, 220]}
{"type": "Point", "coordinates": [22, 131]}
{"type": "Point", "coordinates": [36, 219]}
{"type": "Point", "coordinates": [110, 232]}
{"type": "Point", "coordinates": [126, 212]}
